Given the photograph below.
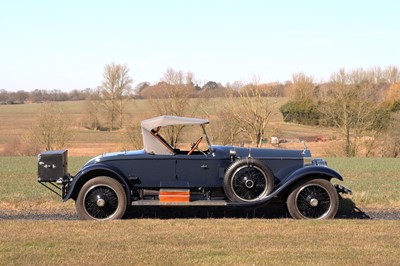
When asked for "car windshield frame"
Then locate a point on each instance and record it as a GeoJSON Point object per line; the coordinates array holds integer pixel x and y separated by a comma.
{"type": "Point", "coordinates": [155, 144]}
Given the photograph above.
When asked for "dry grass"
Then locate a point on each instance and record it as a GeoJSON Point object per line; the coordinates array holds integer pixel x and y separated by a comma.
{"type": "Point", "coordinates": [17, 119]}
{"type": "Point", "coordinates": [197, 241]}
{"type": "Point", "coordinates": [200, 242]}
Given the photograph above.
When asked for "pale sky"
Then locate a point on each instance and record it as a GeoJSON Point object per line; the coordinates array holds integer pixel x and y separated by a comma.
{"type": "Point", "coordinates": [64, 45]}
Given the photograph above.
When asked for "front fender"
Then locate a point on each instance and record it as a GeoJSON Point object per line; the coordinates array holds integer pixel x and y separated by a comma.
{"type": "Point", "coordinates": [94, 170]}
{"type": "Point", "coordinates": [314, 171]}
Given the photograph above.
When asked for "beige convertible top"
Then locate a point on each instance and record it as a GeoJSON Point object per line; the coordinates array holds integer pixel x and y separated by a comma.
{"type": "Point", "coordinates": [153, 143]}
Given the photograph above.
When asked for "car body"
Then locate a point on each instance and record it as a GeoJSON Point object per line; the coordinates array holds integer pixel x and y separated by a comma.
{"type": "Point", "coordinates": [161, 175]}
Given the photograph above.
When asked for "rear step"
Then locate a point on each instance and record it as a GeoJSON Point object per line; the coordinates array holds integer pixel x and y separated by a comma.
{"type": "Point", "coordinates": [187, 203]}
{"type": "Point", "coordinates": [174, 195]}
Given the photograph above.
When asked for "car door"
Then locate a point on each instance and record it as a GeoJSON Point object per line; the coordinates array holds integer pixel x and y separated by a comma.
{"type": "Point", "coordinates": [154, 170]}
{"type": "Point", "coordinates": [215, 170]}
{"type": "Point", "coordinates": [191, 170]}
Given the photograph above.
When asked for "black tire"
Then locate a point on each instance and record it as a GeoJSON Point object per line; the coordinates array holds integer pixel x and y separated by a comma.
{"type": "Point", "coordinates": [314, 199]}
{"type": "Point", "coordinates": [248, 180]}
{"type": "Point", "coordinates": [101, 198]}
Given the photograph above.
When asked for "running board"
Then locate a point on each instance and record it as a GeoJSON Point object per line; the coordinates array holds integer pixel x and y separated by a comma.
{"type": "Point", "coordinates": [191, 203]}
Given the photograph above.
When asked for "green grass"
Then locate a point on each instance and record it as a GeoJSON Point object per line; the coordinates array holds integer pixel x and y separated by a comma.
{"type": "Point", "coordinates": [200, 242]}
{"type": "Point", "coordinates": [374, 181]}
{"type": "Point", "coordinates": [20, 191]}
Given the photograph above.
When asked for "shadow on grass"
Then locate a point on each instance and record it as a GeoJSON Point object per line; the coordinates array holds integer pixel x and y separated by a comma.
{"type": "Point", "coordinates": [347, 210]}
{"type": "Point", "coordinates": [270, 211]}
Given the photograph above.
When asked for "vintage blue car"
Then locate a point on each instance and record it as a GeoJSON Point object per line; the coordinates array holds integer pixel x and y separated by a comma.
{"type": "Point", "coordinates": [161, 175]}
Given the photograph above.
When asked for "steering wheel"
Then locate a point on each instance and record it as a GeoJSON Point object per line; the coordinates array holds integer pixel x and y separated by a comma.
{"type": "Point", "coordinates": [195, 145]}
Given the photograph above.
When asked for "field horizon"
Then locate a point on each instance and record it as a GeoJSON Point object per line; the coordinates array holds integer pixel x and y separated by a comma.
{"type": "Point", "coordinates": [322, 141]}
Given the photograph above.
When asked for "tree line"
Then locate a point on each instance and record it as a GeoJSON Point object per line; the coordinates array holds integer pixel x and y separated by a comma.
{"type": "Point", "coordinates": [362, 106]}
{"type": "Point", "coordinates": [195, 88]}
{"type": "Point", "coordinates": [38, 96]}
{"type": "Point", "coordinates": [143, 90]}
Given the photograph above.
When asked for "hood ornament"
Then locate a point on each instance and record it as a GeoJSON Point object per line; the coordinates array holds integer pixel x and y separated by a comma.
{"type": "Point", "coordinates": [305, 147]}
{"type": "Point", "coordinates": [249, 156]}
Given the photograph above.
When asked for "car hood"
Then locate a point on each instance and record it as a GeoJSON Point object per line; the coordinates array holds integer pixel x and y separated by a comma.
{"type": "Point", "coordinates": [223, 151]}
{"type": "Point", "coordinates": [218, 152]}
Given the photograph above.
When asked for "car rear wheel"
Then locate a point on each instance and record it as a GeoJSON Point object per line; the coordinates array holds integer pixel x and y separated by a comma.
{"type": "Point", "coordinates": [314, 199]}
{"type": "Point", "coordinates": [101, 198]}
{"type": "Point", "coordinates": [248, 180]}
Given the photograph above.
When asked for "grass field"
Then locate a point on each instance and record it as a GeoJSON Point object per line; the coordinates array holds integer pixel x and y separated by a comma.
{"type": "Point", "coordinates": [225, 241]}
{"type": "Point", "coordinates": [18, 118]}
{"type": "Point", "coordinates": [200, 242]}
{"type": "Point", "coordinates": [222, 241]}
{"type": "Point", "coordinates": [375, 182]}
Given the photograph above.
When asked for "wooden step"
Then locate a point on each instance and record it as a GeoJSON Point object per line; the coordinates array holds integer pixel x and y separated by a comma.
{"type": "Point", "coordinates": [174, 195]}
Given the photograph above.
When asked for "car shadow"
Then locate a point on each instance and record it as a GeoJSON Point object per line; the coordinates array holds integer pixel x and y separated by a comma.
{"type": "Point", "coordinates": [271, 211]}
{"type": "Point", "coordinates": [347, 210]}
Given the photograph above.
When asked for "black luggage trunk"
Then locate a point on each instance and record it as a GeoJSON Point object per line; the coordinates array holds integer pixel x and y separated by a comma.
{"type": "Point", "coordinates": [52, 165]}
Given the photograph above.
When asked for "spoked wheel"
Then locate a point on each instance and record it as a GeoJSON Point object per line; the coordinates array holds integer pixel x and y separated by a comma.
{"type": "Point", "coordinates": [315, 199]}
{"type": "Point", "coordinates": [248, 180]}
{"type": "Point", "coordinates": [101, 198]}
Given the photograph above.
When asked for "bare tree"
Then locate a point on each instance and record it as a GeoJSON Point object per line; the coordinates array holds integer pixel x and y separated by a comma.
{"type": "Point", "coordinates": [353, 106]}
{"type": "Point", "coordinates": [227, 131]}
{"type": "Point", "coordinates": [51, 127]}
{"type": "Point", "coordinates": [175, 100]}
{"type": "Point", "coordinates": [93, 109]}
{"type": "Point", "coordinates": [133, 137]}
{"type": "Point", "coordinates": [252, 111]}
{"type": "Point", "coordinates": [393, 93]}
{"type": "Point", "coordinates": [391, 140]}
{"type": "Point", "coordinates": [301, 87]}
{"type": "Point", "coordinates": [391, 74]}
{"type": "Point", "coordinates": [114, 90]}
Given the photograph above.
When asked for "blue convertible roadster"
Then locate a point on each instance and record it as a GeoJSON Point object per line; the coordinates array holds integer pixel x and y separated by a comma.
{"type": "Point", "coordinates": [202, 175]}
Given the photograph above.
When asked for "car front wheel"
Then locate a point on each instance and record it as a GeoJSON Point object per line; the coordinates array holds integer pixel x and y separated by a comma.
{"type": "Point", "coordinates": [101, 198]}
{"type": "Point", "coordinates": [314, 199]}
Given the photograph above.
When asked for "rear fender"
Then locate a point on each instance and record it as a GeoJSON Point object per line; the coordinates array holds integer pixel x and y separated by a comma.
{"type": "Point", "coordinates": [92, 171]}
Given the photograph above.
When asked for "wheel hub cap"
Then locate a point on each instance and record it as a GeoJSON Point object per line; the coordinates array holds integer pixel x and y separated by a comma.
{"type": "Point", "coordinates": [249, 183]}
{"type": "Point", "coordinates": [314, 202]}
{"type": "Point", "coordinates": [100, 202]}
